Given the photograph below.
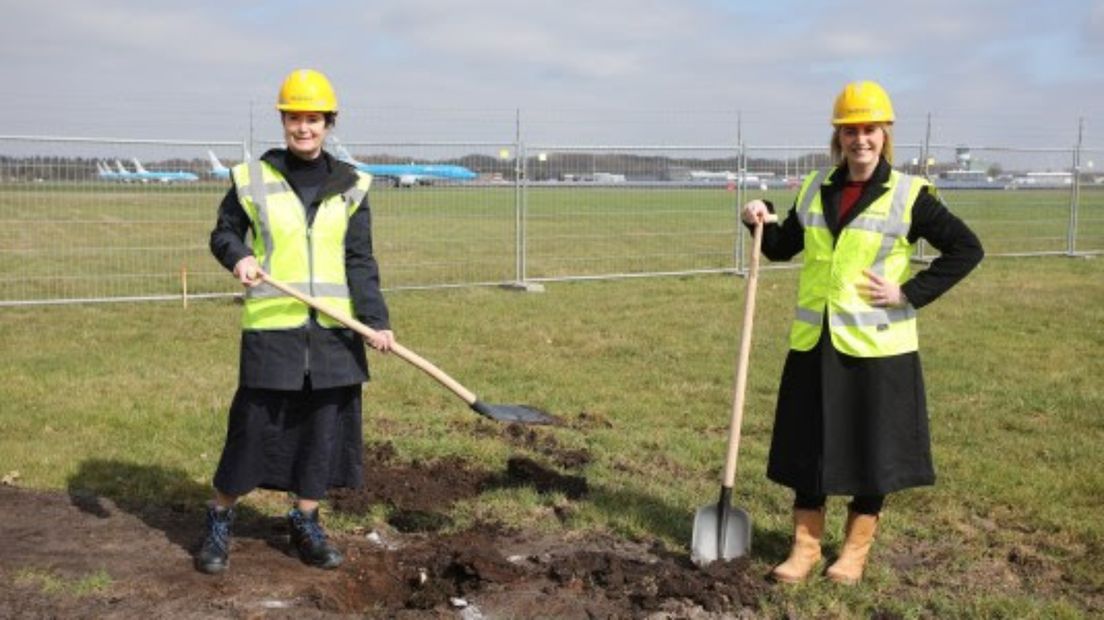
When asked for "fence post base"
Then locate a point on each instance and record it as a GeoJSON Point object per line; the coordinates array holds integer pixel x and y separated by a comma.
{"type": "Point", "coordinates": [524, 287]}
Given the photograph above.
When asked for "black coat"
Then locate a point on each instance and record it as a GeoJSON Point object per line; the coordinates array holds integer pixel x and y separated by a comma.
{"type": "Point", "coordinates": [859, 426]}
{"type": "Point", "coordinates": [283, 359]}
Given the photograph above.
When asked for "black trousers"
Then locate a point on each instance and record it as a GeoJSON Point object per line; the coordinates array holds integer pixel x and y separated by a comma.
{"type": "Point", "coordinates": [862, 504]}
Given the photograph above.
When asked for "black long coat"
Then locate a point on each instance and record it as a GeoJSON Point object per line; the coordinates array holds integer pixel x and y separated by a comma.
{"type": "Point", "coordinates": [295, 423]}
{"type": "Point", "coordinates": [859, 426]}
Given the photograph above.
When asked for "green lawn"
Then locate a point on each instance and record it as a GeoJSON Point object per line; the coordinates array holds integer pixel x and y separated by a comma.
{"type": "Point", "coordinates": [1013, 360]}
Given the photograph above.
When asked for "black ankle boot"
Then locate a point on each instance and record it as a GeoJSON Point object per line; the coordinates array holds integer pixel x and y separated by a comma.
{"type": "Point", "coordinates": [309, 540]}
{"type": "Point", "coordinates": [214, 555]}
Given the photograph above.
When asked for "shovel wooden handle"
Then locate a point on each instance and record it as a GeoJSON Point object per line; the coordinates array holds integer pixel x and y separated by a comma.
{"type": "Point", "coordinates": [745, 355]}
{"type": "Point", "coordinates": [406, 354]}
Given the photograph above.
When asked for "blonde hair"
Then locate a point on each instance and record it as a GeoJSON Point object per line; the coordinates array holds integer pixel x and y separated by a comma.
{"type": "Point", "coordinates": [887, 147]}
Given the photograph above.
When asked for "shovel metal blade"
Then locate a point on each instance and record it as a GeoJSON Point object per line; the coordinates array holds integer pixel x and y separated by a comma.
{"type": "Point", "coordinates": [710, 526]}
{"type": "Point", "coordinates": [514, 413]}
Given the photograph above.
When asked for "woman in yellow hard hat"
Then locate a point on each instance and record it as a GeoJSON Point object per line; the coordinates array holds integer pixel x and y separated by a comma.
{"type": "Point", "coordinates": [302, 216]}
{"type": "Point", "coordinates": [851, 417]}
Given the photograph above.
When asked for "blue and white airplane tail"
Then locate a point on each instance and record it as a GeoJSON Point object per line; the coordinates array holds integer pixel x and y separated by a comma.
{"type": "Point", "coordinates": [218, 170]}
{"type": "Point", "coordinates": [105, 173]}
{"type": "Point", "coordinates": [343, 153]}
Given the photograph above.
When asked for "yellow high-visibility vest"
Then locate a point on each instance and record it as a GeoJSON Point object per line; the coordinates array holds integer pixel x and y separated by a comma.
{"type": "Point", "coordinates": [309, 258]}
{"type": "Point", "coordinates": [877, 240]}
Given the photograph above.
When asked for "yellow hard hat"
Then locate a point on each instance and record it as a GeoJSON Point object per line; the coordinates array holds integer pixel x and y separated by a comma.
{"type": "Point", "coordinates": [862, 102]}
{"type": "Point", "coordinates": [306, 90]}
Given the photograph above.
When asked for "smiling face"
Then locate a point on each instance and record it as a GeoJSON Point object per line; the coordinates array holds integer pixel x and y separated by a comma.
{"type": "Point", "coordinates": [305, 132]}
{"type": "Point", "coordinates": [861, 146]}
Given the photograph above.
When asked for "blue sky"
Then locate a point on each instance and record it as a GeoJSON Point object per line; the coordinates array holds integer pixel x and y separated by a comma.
{"type": "Point", "coordinates": [1007, 72]}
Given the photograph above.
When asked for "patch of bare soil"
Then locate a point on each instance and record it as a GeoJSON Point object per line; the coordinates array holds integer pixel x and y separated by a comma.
{"type": "Point", "coordinates": [418, 493]}
{"type": "Point", "coordinates": [535, 439]}
{"type": "Point", "coordinates": [409, 571]}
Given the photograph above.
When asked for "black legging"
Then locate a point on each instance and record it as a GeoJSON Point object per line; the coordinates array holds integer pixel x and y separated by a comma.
{"type": "Point", "coordinates": [862, 504]}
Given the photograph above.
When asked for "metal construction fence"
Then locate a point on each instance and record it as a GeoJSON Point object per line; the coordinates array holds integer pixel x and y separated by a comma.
{"type": "Point", "coordinates": [110, 219]}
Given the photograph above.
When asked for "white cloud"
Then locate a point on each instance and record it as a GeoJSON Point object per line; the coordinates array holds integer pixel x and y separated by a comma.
{"type": "Point", "coordinates": [142, 32]}
{"type": "Point", "coordinates": [780, 64]}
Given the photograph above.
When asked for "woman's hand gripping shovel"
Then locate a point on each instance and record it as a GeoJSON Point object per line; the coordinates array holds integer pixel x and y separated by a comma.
{"type": "Point", "coordinates": [722, 531]}
{"type": "Point", "coordinates": [502, 413]}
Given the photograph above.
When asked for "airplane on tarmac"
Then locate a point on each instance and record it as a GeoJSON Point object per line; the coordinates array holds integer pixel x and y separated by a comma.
{"type": "Point", "coordinates": [105, 173]}
{"type": "Point", "coordinates": [408, 175]}
{"type": "Point", "coordinates": [144, 175]}
{"type": "Point", "coordinates": [218, 170]}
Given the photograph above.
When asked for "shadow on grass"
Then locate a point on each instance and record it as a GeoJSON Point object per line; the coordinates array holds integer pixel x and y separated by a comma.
{"type": "Point", "coordinates": [163, 498]}
{"type": "Point", "coordinates": [770, 546]}
{"type": "Point", "coordinates": [677, 522]}
{"type": "Point", "coordinates": [648, 512]}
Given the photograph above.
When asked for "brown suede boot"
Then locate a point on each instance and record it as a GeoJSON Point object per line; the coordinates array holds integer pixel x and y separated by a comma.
{"type": "Point", "coordinates": [848, 569]}
{"type": "Point", "coordinates": [808, 529]}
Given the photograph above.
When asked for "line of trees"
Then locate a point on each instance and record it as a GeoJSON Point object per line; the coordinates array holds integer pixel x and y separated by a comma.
{"type": "Point", "coordinates": [551, 166]}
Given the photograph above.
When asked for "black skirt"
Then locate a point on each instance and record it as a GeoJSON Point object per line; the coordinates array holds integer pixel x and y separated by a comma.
{"type": "Point", "coordinates": [850, 426]}
{"type": "Point", "coordinates": [304, 442]}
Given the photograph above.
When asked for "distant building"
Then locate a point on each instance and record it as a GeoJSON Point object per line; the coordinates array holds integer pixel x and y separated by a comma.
{"type": "Point", "coordinates": [606, 177]}
{"type": "Point", "coordinates": [1043, 179]}
{"type": "Point", "coordinates": [966, 179]}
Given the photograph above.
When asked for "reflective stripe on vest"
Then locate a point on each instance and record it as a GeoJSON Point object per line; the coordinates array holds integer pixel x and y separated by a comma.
{"type": "Point", "coordinates": [877, 240]}
{"type": "Point", "coordinates": [308, 258]}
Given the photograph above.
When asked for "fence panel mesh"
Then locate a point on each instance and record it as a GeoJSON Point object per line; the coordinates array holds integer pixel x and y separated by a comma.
{"type": "Point", "coordinates": [108, 219]}
{"type": "Point", "coordinates": [610, 211]}
{"type": "Point", "coordinates": [86, 220]}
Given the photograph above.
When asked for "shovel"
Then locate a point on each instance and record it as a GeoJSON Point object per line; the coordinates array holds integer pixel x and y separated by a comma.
{"type": "Point", "coordinates": [722, 531]}
{"type": "Point", "coordinates": [502, 413]}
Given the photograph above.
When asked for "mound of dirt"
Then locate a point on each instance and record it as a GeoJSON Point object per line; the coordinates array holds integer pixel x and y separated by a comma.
{"type": "Point", "coordinates": [420, 494]}
{"type": "Point", "coordinates": [653, 583]}
{"type": "Point", "coordinates": [94, 553]}
{"type": "Point", "coordinates": [414, 486]}
{"type": "Point", "coordinates": [521, 471]}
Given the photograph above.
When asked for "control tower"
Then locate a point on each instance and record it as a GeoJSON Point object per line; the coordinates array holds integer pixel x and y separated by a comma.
{"type": "Point", "coordinates": [962, 156]}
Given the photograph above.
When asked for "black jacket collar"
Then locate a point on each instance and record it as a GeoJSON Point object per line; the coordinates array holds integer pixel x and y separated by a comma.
{"type": "Point", "coordinates": [342, 175]}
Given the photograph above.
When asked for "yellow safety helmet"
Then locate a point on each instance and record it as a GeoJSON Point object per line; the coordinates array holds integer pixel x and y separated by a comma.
{"type": "Point", "coordinates": [862, 102]}
{"type": "Point", "coordinates": [306, 90]}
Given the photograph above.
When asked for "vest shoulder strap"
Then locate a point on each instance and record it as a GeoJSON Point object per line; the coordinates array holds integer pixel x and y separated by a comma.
{"type": "Point", "coordinates": [355, 194]}
{"type": "Point", "coordinates": [811, 188]}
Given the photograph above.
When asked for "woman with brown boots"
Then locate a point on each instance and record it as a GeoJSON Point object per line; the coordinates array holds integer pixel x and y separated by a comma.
{"type": "Point", "coordinates": [851, 417]}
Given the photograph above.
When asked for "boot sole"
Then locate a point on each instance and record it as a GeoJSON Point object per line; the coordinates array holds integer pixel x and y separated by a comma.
{"type": "Point", "coordinates": [212, 570]}
{"type": "Point", "coordinates": [843, 581]}
{"type": "Point", "coordinates": [789, 580]}
{"type": "Point", "coordinates": [792, 580]}
{"type": "Point", "coordinates": [315, 564]}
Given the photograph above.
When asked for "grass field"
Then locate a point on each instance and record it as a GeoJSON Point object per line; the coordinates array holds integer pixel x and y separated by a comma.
{"type": "Point", "coordinates": [1013, 359]}
{"type": "Point", "coordinates": [92, 241]}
